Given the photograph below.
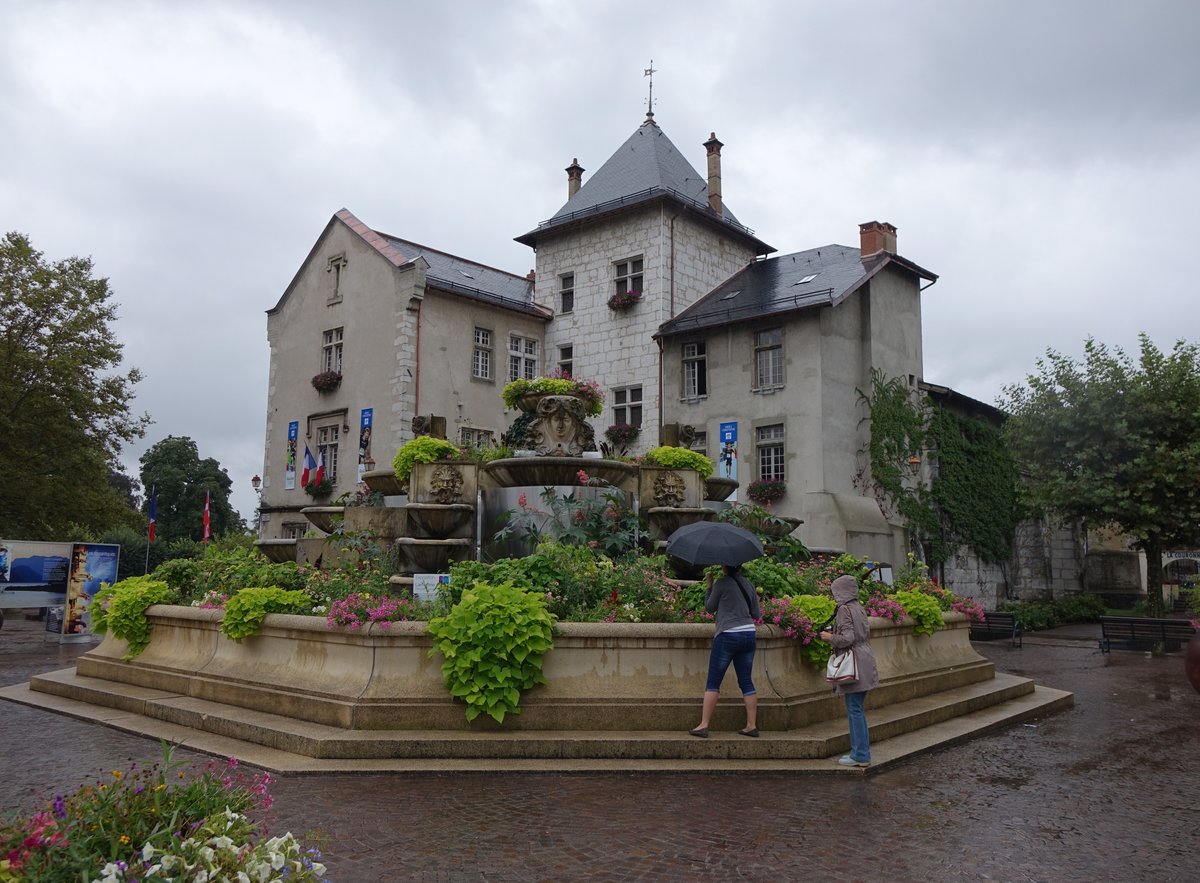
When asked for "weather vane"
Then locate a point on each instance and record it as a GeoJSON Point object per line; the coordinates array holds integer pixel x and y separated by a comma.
{"type": "Point", "coordinates": [650, 72]}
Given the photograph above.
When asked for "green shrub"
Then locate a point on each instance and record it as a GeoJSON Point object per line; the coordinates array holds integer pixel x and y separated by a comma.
{"type": "Point", "coordinates": [680, 458]}
{"type": "Point", "coordinates": [225, 572]}
{"type": "Point", "coordinates": [245, 611]}
{"type": "Point", "coordinates": [1032, 615]}
{"type": "Point", "coordinates": [774, 579]}
{"type": "Point", "coordinates": [422, 449]}
{"type": "Point", "coordinates": [493, 641]}
{"type": "Point", "coordinates": [1080, 608]}
{"type": "Point", "coordinates": [924, 610]}
{"type": "Point", "coordinates": [121, 609]}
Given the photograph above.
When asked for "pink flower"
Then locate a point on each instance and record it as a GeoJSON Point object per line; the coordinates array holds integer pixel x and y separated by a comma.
{"type": "Point", "coordinates": [522, 500]}
{"type": "Point", "coordinates": [582, 476]}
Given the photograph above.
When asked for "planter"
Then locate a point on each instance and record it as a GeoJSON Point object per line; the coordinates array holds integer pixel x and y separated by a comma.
{"type": "Point", "coordinates": [777, 527]}
{"type": "Point", "coordinates": [600, 676]}
{"type": "Point", "coordinates": [1191, 662]}
{"type": "Point", "coordinates": [323, 517]}
{"type": "Point", "coordinates": [278, 551]}
{"type": "Point", "coordinates": [659, 486]}
{"type": "Point", "coordinates": [445, 482]}
{"type": "Point", "coordinates": [384, 481]}
{"type": "Point", "coordinates": [539, 472]}
{"type": "Point", "coordinates": [718, 489]}
{"type": "Point", "coordinates": [386, 522]}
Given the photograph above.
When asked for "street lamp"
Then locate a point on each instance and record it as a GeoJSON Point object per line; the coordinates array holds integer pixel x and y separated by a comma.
{"type": "Point", "coordinates": [256, 483]}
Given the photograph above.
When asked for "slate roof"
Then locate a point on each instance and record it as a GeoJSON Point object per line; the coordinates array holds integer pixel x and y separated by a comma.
{"type": "Point", "coordinates": [645, 168]}
{"type": "Point", "coordinates": [470, 278]}
{"type": "Point", "coordinates": [782, 284]}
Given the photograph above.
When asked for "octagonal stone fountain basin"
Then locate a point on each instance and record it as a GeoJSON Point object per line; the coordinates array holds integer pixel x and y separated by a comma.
{"type": "Point", "coordinates": [384, 481]}
{"type": "Point", "coordinates": [278, 551]}
{"type": "Point", "coordinates": [550, 471]}
{"type": "Point", "coordinates": [718, 489]}
{"type": "Point", "coordinates": [433, 556]}
{"type": "Point", "coordinates": [437, 520]}
{"type": "Point", "coordinates": [323, 517]}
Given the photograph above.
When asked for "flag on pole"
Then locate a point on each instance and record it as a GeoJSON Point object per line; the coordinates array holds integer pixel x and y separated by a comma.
{"type": "Point", "coordinates": [320, 473]}
{"type": "Point", "coordinates": [207, 528]}
{"type": "Point", "coordinates": [153, 524]}
{"type": "Point", "coordinates": [309, 465]}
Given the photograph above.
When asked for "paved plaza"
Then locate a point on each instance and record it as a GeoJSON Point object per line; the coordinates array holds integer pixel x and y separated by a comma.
{"type": "Point", "coordinates": [1106, 791]}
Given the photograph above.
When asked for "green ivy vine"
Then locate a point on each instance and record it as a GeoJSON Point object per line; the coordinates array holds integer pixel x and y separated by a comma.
{"type": "Point", "coordinates": [973, 499]}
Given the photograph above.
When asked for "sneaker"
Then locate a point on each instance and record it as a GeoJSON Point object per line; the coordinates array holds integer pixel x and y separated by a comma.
{"type": "Point", "coordinates": [850, 761]}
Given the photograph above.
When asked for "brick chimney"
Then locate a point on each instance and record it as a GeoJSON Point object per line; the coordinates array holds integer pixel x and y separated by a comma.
{"type": "Point", "coordinates": [713, 146]}
{"type": "Point", "coordinates": [876, 237]}
{"type": "Point", "coordinates": [574, 177]}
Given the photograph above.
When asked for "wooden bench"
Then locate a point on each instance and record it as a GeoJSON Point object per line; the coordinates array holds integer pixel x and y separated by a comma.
{"type": "Point", "coordinates": [1142, 633]}
{"type": "Point", "coordinates": [997, 624]}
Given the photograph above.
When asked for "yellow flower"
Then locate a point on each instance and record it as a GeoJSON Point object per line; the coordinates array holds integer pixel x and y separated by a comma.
{"type": "Point", "coordinates": [124, 839]}
{"type": "Point", "coordinates": [118, 775]}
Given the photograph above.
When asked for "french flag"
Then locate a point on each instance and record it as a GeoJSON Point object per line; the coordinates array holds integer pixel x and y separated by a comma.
{"type": "Point", "coordinates": [310, 465]}
{"type": "Point", "coordinates": [320, 473]}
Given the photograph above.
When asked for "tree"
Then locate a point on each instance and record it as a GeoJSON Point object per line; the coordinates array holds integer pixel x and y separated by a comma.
{"type": "Point", "coordinates": [64, 406]}
{"type": "Point", "coordinates": [1116, 443]}
{"type": "Point", "coordinates": [173, 471]}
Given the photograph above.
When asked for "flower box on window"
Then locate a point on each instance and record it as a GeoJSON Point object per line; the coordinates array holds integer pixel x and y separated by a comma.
{"type": "Point", "coordinates": [623, 300]}
{"type": "Point", "coordinates": [622, 434]}
{"type": "Point", "coordinates": [327, 381]}
{"type": "Point", "coordinates": [767, 491]}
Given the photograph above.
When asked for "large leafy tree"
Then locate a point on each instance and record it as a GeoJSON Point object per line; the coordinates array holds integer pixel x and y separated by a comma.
{"type": "Point", "coordinates": [173, 471]}
{"type": "Point", "coordinates": [64, 404]}
{"type": "Point", "coordinates": [1116, 443]}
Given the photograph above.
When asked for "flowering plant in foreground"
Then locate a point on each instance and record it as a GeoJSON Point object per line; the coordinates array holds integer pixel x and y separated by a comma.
{"type": "Point", "coordinates": [152, 824]}
{"type": "Point", "coordinates": [361, 609]}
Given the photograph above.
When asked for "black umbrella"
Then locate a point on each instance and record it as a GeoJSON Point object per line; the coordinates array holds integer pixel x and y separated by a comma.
{"type": "Point", "coordinates": [714, 542]}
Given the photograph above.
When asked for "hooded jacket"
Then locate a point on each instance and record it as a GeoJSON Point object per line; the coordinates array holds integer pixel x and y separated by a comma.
{"type": "Point", "coordinates": [851, 629]}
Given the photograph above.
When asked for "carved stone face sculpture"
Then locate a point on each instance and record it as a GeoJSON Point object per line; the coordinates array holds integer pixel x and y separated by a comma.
{"type": "Point", "coordinates": [561, 428]}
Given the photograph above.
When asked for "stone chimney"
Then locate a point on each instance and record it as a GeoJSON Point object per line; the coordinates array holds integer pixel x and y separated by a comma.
{"type": "Point", "coordinates": [574, 177]}
{"type": "Point", "coordinates": [876, 237]}
{"type": "Point", "coordinates": [713, 146]}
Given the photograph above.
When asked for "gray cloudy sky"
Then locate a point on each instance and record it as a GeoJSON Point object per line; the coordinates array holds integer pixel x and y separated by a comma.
{"type": "Point", "coordinates": [1041, 157]}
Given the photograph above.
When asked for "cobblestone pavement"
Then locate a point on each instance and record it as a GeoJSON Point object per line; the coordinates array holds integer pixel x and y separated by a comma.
{"type": "Point", "coordinates": [1106, 791]}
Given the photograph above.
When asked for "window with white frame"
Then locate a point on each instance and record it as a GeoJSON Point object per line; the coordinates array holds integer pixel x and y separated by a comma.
{"type": "Point", "coordinates": [768, 358]}
{"type": "Point", "coordinates": [294, 530]}
{"type": "Point", "coordinates": [327, 445]}
{"type": "Point", "coordinates": [627, 405]}
{"type": "Point", "coordinates": [471, 437]}
{"type": "Point", "coordinates": [566, 292]}
{"type": "Point", "coordinates": [699, 443]}
{"type": "Point", "coordinates": [522, 358]}
{"type": "Point", "coordinates": [768, 449]}
{"type": "Point", "coordinates": [566, 360]}
{"type": "Point", "coordinates": [695, 370]}
{"type": "Point", "coordinates": [331, 350]}
{"type": "Point", "coordinates": [628, 275]}
{"type": "Point", "coordinates": [481, 360]}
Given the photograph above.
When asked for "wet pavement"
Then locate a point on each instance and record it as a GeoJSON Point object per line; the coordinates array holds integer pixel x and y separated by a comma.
{"type": "Point", "coordinates": [1106, 791]}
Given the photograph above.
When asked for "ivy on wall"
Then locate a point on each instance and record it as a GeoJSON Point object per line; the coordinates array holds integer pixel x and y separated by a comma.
{"type": "Point", "coordinates": [973, 498]}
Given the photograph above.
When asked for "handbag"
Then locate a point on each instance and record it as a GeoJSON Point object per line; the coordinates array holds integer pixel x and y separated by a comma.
{"type": "Point", "coordinates": [842, 667]}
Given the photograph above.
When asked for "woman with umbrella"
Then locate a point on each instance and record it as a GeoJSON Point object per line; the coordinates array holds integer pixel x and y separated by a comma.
{"type": "Point", "coordinates": [735, 603]}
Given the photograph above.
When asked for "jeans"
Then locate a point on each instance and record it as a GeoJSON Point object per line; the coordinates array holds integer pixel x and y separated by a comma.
{"type": "Point", "coordinates": [735, 647]}
{"type": "Point", "coordinates": [860, 736]}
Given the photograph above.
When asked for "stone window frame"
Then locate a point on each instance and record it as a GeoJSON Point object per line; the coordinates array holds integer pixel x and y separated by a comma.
{"type": "Point", "coordinates": [523, 355]}
{"type": "Point", "coordinates": [628, 274]}
{"type": "Point", "coordinates": [333, 341]}
{"type": "Point", "coordinates": [566, 292]}
{"type": "Point", "coordinates": [566, 359]}
{"type": "Point", "coordinates": [770, 451]}
{"type": "Point", "coordinates": [625, 405]}
{"type": "Point", "coordinates": [334, 266]}
{"type": "Point", "coordinates": [481, 355]}
{"type": "Point", "coordinates": [329, 435]}
{"type": "Point", "coordinates": [474, 436]}
{"type": "Point", "coordinates": [768, 355]}
{"type": "Point", "coordinates": [293, 530]}
{"type": "Point", "coordinates": [697, 360]}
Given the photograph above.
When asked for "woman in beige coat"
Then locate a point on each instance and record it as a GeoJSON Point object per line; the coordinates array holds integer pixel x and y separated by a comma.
{"type": "Point", "coordinates": [850, 629]}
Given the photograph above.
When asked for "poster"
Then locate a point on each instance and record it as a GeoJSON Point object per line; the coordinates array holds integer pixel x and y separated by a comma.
{"type": "Point", "coordinates": [33, 574]}
{"type": "Point", "coordinates": [364, 440]}
{"type": "Point", "coordinates": [727, 456]}
{"type": "Point", "coordinates": [93, 566]}
{"type": "Point", "coordinates": [289, 472]}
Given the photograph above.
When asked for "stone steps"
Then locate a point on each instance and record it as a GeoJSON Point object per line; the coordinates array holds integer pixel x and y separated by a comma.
{"type": "Point", "coordinates": [286, 744]}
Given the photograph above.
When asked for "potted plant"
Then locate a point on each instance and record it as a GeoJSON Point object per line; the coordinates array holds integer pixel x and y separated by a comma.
{"type": "Point", "coordinates": [319, 490]}
{"type": "Point", "coordinates": [674, 457]}
{"type": "Point", "coordinates": [523, 394]}
{"type": "Point", "coordinates": [623, 300]}
{"type": "Point", "coordinates": [422, 449]}
{"type": "Point", "coordinates": [622, 435]}
{"type": "Point", "coordinates": [327, 381]}
{"type": "Point", "coordinates": [766, 491]}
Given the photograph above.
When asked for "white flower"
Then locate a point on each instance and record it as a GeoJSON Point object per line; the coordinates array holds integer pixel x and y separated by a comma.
{"type": "Point", "coordinates": [147, 852]}
{"type": "Point", "coordinates": [208, 854]}
{"type": "Point", "coordinates": [222, 842]}
{"type": "Point", "coordinates": [243, 877]}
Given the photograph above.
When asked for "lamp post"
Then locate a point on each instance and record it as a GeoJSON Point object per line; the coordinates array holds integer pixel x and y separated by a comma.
{"type": "Point", "coordinates": [256, 483]}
